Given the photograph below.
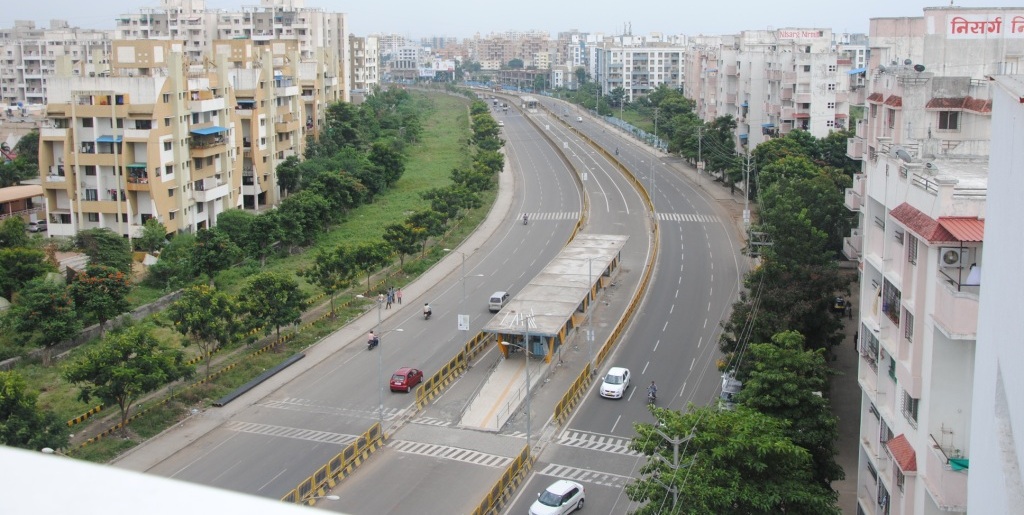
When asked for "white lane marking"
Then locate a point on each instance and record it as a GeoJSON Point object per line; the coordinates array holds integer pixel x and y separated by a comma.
{"type": "Point", "coordinates": [617, 419]}
{"type": "Point", "coordinates": [692, 363]}
{"type": "Point", "coordinates": [272, 479]}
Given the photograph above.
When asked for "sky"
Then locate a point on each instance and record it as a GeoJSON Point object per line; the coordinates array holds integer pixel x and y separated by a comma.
{"type": "Point", "coordinates": [460, 19]}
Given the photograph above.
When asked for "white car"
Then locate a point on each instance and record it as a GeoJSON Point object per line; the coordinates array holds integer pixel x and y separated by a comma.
{"type": "Point", "coordinates": [579, 118]}
{"type": "Point", "coordinates": [562, 496]}
{"type": "Point", "coordinates": [615, 383]}
{"type": "Point", "coordinates": [501, 123]}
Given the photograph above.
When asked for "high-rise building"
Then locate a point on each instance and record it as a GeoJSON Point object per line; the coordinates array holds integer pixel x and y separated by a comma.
{"type": "Point", "coordinates": [28, 57]}
{"type": "Point", "coordinates": [921, 201]}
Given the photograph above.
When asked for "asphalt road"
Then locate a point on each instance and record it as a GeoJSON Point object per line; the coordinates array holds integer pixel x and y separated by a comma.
{"type": "Point", "coordinates": [267, 448]}
{"type": "Point", "coordinates": [672, 341]}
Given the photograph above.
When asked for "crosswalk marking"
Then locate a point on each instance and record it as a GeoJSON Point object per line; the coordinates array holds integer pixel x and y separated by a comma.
{"type": "Point", "coordinates": [430, 421]}
{"type": "Point", "coordinates": [585, 475]}
{"type": "Point", "coordinates": [676, 217]}
{"type": "Point", "coordinates": [309, 406]}
{"type": "Point", "coordinates": [451, 453]}
{"type": "Point", "coordinates": [597, 442]}
{"type": "Point", "coordinates": [291, 432]}
{"type": "Point", "coordinates": [559, 215]}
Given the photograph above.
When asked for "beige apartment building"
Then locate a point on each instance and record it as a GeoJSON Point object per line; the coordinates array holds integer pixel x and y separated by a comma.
{"type": "Point", "coordinates": [157, 137]}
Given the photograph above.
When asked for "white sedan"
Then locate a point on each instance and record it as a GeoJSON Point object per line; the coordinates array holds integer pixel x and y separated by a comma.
{"type": "Point", "coordinates": [615, 383]}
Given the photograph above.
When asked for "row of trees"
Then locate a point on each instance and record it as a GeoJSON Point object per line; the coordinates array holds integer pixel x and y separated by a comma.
{"type": "Point", "coordinates": [775, 452]}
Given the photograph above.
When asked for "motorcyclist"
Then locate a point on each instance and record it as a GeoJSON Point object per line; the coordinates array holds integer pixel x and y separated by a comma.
{"type": "Point", "coordinates": [426, 310]}
{"type": "Point", "coordinates": [616, 150]}
{"type": "Point", "coordinates": [372, 340]}
{"type": "Point", "coordinates": [652, 391]}
{"type": "Point", "coordinates": [525, 218]}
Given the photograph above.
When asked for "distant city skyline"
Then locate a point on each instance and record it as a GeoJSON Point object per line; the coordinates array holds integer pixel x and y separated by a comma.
{"type": "Point", "coordinates": [417, 19]}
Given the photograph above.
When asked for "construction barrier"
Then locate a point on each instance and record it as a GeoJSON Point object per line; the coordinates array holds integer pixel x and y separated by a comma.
{"type": "Point", "coordinates": [499, 494]}
{"type": "Point", "coordinates": [339, 467]}
{"type": "Point", "coordinates": [85, 416]}
{"type": "Point", "coordinates": [435, 384]}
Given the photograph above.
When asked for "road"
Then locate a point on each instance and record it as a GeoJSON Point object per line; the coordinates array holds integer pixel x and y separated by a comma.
{"type": "Point", "coordinates": [279, 440]}
{"type": "Point", "coordinates": [672, 341]}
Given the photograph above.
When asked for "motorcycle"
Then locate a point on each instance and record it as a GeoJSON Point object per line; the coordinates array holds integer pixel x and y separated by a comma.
{"type": "Point", "coordinates": [651, 397]}
{"type": "Point", "coordinates": [370, 344]}
{"type": "Point", "coordinates": [524, 219]}
{"type": "Point", "coordinates": [426, 314]}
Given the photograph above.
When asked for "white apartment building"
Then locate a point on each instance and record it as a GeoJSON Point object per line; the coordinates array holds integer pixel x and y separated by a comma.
{"type": "Point", "coordinates": [921, 200]}
{"type": "Point", "coordinates": [365, 65]}
{"type": "Point", "coordinates": [272, 20]}
{"type": "Point", "coordinates": [639, 69]}
{"type": "Point", "coordinates": [775, 81]}
{"type": "Point", "coordinates": [28, 57]}
{"type": "Point", "coordinates": [995, 483]}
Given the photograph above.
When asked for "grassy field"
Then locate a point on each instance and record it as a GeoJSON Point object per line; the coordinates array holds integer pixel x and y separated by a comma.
{"type": "Point", "coordinates": [442, 147]}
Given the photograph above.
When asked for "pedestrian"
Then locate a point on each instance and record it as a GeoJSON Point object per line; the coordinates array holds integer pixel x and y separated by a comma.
{"type": "Point", "coordinates": [856, 334]}
{"type": "Point", "coordinates": [398, 295]}
{"type": "Point", "coordinates": [390, 298]}
{"type": "Point", "coordinates": [380, 298]}
{"type": "Point", "coordinates": [849, 310]}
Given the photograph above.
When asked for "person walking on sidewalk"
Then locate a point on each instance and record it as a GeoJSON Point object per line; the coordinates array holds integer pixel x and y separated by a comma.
{"type": "Point", "coordinates": [398, 295]}
{"type": "Point", "coordinates": [390, 299]}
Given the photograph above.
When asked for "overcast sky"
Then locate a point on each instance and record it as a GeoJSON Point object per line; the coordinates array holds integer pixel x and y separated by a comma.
{"type": "Point", "coordinates": [418, 18]}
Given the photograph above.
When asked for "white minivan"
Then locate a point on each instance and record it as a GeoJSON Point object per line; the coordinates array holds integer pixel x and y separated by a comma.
{"type": "Point", "coordinates": [498, 301]}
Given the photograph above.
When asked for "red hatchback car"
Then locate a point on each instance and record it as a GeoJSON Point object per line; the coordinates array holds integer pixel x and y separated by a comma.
{"type": "Point", "coordinates": [405, 379]}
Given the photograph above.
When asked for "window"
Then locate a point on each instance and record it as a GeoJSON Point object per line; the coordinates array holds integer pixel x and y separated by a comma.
{"type": "Point", "coordinates": [195, 118]}
{"type": "Point", "coordinates": [92, 217]}
{"type": "Point", "coordinates": [831, 86]}
{"type": "Point", "coordinates": [170, 192]}
{"type": "Point", "coordinates": [90, 170]}
{"type": "Point", "coordinates": [91, 195]}
{"type": "Point", "coordinates": [120, 123]}
{"type": "Point", "coordinates": [908, 325]}
{"type": "Point", "coordinates": [199, 163]}
{"type": "Point", "coordinates": [892, 370]}
{"type": "Point", "coordinates": [891, 302]}
{"type": "Point", "coordinates": [199, 207]}
{"type": "Point", "coordinates": [172, 215]}
{"type": "Point", "coordinates": [167, 122]}
{"type": "Point", "coordinates": [167, 145]}
{"type": "Point", "coordinates": [831, 105]}
{"type": "Point", "coordinates": [910, 408]}
{"type": "Point", "coordinates": [949, 120]}
{"type": "Point", "coordinates": [124, 218]}
{"type": "Point", "coordinates": [86, 122]}
{"type": "Point", "coordinates": [890, 118]}
{"type": "Point", "coordinates": [168, 169]}
{"type": "Point", "coordinates": [167, 98]}
{"type": "Point", "coordinates": [807, 68]}
{"type": "Point", "coordinates": [911, 249]}
{"type": "Point", "coordinates": [831, 67]}
{"type": "Point", "coordinates": [900, 479]}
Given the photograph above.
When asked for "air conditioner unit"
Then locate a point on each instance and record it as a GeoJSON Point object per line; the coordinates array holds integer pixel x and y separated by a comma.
{"type": "Point", "coordinates": [952, 257]}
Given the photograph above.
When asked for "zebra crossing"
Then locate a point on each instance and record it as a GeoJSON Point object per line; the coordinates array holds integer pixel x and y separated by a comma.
{"type": "Point", "coordinates": [431, 421]}
{"type": "Point", "coordinates": [291, 432]}
{"type": "Point", "coordinates": [451, 453]}
{"type": "Point", "coordinates": [585, 475]}
{"type": "Point", "coordinates": [558, 215]}
{"type": "Point", "coordinates": [597, 442]}
{"type": "Point", "coordinates": [308, 406]}
{"type": "Point", "coordinates": [676, 217]}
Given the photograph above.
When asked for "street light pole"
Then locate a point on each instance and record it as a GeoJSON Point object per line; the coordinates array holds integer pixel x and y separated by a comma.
{"type": "Point", "coordinates": [380, 370]}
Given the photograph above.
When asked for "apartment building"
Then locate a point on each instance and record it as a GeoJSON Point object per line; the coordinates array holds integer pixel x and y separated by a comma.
{"type": "Point", "coordinates": [921, 202]}
{"type": "Point", "coordinates": [639, 69]}
{"type": "Point", "coordinates": [159, 138]}
{"type": "Point", "coordinates": [28, 57]}
{"type": "Point", "coordinates": [995, 483]}
{"type": "Point", "coordinates": [365, 65]}
{"type": "Point", "coordinates": [198, 27]}
{"type": "Point", "coordinates": [700, 72]}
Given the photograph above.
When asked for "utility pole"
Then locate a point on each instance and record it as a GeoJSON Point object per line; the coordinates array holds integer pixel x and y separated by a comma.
{"type": "Point", "coordinates": [656, 146]}
{"type": "Point", "coordinates": [746, 194]}
{"type": "Point", "coordinates": [675, 465]}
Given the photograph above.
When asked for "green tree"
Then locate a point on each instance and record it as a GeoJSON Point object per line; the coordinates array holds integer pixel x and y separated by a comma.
{"type": "Point", "coordinates": [266, 233]}
{"type": "Point", "coordinates": [12, 233]}
{"type": "Point", "coordinates": [206, 317]}
{"type": "Point", "coordinates": [27, 147]}
{"type": "Point", "coordinates": [426, 224]}
{"type": "Point", "coordinates": [101, 292]}
{"type": "Point", "coordinates": [302, 217]}
{"type": "Point", "coordinates": [289, 175]}
{"type": "Point", "coordinates": [736, 462]}
{"type": "Point", "coordinates": [783, 380]}
{"type": "Point", "coordinates": [213, 251]}
{"type": "Point", "coordinates": [617, 96]}
{"type": "Point", "coordinates": [104, 247]}
{"type": "Point", "coordinates": [388, 161]}
{"type": "Point", "coordinates": [451, 199]}
{"type": "Point", "coordinates": [515, 64]}
{"type": "Point", "coordinates": [20, 265]}
{"type": "Point", "coordinates": [154, 236]}
{"type": "Point", "coordinates": [124, 366]}
{"type": "Point", "coordinates": [332, 271]}
{"type": "Point", "coordinates": [237, 225]}
{"type": "Point", "coordinates": [43, 315]}
{"type": "Point", "coordinates": [370, 257]}
{"type": "Point", "coordinates": [22, 423]}
{"type": "Point", "coordinates": [402, 239]}
{"type": "Point", "coordinates": [173, 269]}
{"type": "Point", "coordinates": [274, 300]}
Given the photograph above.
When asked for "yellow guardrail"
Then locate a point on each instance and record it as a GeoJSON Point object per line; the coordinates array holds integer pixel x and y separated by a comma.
{"type": "Point", "coordinates": [500, 493]}
{"type": "Point", "coordinates": [435, 384]}
{"type": "Point", "coordinates": [341, 465]}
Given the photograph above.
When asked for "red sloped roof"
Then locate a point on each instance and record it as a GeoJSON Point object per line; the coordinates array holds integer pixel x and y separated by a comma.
{"type": "Point", "coordinates": [977, 105]}
{"type": "Point", "coordinates": [799, 116]}
{"type": "Point", "coordinates": [925, 227]}
{"type": "Point", "coordinates": [894, 101]}
{"type": "Point", "coordinates": [964, 228]}
{"type": "Point", "coordinates": [875, 97]}
{"type": "Point", "coordinates": [903, 453]}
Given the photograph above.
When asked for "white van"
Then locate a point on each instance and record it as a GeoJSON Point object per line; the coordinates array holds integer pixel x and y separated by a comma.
{"type": "Point", "coordinates": [498, 301]}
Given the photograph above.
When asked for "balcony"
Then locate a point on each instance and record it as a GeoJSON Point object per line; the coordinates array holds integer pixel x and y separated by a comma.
{"type": "Point", "coordinates": [56, 174]}
{"type": "Point", "coordinates": [53, 133]}
{"type": "Point", "coordinates": [956, 312]}
{"type": "Point", "coordinates": [773, 75]}
{"type": "Point", "coordinates": [852, 245]}
{"type": "Point", "coordinates": [803, 98]}
{"type": "Point", "coordinates": [210, 194]}
{"type": "Point", "coordinates": [853, 201]}
{"type": "Point", "coordinates": [730, 69]}
{"type": "Point", "coordinates": [947, 487]}
{"type": "Point", "coordinates": [206, 105]}
{"type": "Point", "coordinates": [855, 148]}
{"type": "Point", "coordinates": [786, 94]}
